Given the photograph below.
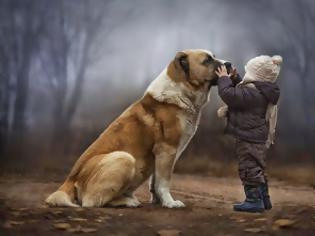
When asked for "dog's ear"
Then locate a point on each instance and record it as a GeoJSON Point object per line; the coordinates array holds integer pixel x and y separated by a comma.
{"type": "Point", "coordinates": [181, 61]}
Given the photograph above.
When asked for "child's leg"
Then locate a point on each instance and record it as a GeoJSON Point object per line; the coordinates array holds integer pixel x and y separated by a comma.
{"type": "Point", "coordinates": [252, 168]}
{"type": "Point", "coordinates": [265, 192]}
{"type": "Point", "coordinates": [252, 163]}
{"type": "Point", "coordinates": [251, 158]}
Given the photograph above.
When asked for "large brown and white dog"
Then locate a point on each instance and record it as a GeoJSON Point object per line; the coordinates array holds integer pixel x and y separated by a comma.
{"type": "Point", "coordinates": [145, 140]}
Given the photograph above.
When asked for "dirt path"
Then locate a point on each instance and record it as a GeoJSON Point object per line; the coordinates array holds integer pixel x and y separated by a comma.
{"type": "Point", "coordinates": [208, 211]}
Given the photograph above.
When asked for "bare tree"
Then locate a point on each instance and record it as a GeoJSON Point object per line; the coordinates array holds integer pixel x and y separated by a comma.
{"type": "Point", "coordinates": [297, 21]}
{"type": "Point", "coordinates": [300, 53]}
{"type": "Point", "coordinates": [71, 32]}
{"type": "Point", "coordinates": [19, 36]}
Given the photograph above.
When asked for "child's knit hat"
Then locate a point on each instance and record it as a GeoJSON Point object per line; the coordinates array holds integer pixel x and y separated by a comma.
{"type": "Point", "coordinates": [263, 68]}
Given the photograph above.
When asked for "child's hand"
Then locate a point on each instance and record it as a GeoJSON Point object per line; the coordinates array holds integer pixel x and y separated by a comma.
{"type": "Point", "coordinates": [221, 71]}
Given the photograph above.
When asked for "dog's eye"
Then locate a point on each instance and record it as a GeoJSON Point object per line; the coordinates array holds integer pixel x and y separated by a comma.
{"type": "Point", "coordinates": [208, 60]}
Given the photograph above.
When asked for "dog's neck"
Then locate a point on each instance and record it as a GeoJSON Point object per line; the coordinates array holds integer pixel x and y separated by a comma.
{"type": "Point", "coordinates": [164, 89]}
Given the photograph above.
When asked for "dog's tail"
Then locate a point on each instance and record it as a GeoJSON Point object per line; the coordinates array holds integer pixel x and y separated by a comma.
{"type": "Point", "coordinates": [64, 196]}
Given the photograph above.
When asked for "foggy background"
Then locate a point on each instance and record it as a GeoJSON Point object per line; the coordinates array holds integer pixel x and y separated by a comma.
{"type": "Point", "coordinates": [69, 68]}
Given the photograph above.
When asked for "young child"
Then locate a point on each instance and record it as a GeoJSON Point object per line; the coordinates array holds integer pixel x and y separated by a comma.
{"type": "Point", "coordinates": [251, 113]}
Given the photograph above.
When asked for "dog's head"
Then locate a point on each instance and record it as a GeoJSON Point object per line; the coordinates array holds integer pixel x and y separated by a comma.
{"type": "Point", "coordinates": [195, 68]}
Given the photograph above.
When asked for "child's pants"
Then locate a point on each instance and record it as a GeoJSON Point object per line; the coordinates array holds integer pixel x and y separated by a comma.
{"type": "Point", "coordinates": [252, 162]}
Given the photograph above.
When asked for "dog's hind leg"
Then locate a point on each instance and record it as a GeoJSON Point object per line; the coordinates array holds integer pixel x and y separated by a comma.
{"type": "Point", "coordinates": [125, 201]}
{"type": "Point", "coordinates": [109, 178]}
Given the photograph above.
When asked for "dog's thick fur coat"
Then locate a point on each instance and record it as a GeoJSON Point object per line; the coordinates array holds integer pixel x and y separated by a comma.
{"type": "Point", "coordinates": [145, 140]}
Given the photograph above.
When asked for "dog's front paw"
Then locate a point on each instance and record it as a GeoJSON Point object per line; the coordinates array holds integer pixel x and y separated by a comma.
{"type": "Point", "coordinates": [173, 204]}
{"type": "Point", "coordinates": [133, 202]}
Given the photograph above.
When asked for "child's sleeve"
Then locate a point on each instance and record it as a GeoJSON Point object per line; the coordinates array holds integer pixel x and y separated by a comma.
{"type": "Point", "coordinates": [237, 80]}
{"type": "Point", "coordinates": [235, 96]}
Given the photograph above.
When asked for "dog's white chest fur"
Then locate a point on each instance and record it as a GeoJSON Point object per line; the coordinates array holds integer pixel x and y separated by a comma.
{"type": "Point", "coordinates": [165, 90]}
{"type": "Point", "coordinates": [189, 124]}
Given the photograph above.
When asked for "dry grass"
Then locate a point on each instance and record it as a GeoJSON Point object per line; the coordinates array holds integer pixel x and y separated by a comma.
{"type": "Point", "coordinates": [296, 174]}
{"type": "Point", "coordinates": [206, 166]}
{"type": "Point", "coordinates": [22, 159]}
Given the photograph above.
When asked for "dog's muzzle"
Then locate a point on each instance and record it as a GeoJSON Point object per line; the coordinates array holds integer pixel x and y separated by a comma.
{"type": "Point", "coordinates": [228, 66]}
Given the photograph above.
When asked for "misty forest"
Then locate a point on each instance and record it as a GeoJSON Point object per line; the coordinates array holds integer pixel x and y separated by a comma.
{"type": "Point", "coordinates": [68, 68]}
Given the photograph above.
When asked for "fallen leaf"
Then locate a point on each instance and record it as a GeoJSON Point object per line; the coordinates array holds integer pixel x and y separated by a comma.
{"type": "Point", "coordinates": [75, 229]}
{"type": "Point", "coordinates": [79, 209]}
{"type": "Point", "coordinates": [238, 219]}
{"type": "Point", "coordinates": [168, 232]}
{"type": "Point", "coordinates": [282, 223]}
{"type": "Point", "coordinates": [253, 230]}
{"type": "Point", "coordinates": [102, 218]}
{"type": "Point", "coordinates": [62, 226]}
{"type": "Point", "coordinates": [77, 219]}
{"type": "Point", "coordinates": [19, 209]}
{"type": "Point", "coordinates": [12, 222]}
{"type": "Point", "coordinates": [241, 220]}
{"type": "Point", "coordinates": [57, 213]}
{"type": "Point", "coordinates": [78, 229]}
{"type": "Point", "coordinates": [88, 230]}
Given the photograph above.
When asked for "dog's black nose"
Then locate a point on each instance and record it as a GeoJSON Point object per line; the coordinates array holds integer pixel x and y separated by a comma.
{"type": "Point", "coordinates": [228, 66]}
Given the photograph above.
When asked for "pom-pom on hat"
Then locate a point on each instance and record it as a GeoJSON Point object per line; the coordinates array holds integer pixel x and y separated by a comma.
{"type": "Point", "coordinates": [263, 68]}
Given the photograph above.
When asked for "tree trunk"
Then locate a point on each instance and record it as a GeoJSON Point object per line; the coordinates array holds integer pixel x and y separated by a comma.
{"type": "Point", "coordinates": [19, 121]}
{"type": "Point", "coordinates": [4, 104]}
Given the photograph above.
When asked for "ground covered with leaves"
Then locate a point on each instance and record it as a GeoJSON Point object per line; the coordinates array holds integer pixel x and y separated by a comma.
{"type": "Point", "coordinates": [208, 211]}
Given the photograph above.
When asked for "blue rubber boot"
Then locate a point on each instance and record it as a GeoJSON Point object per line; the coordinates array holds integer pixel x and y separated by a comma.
{"type": "Point", "coordinates": [254, 200]}
{"type": "Point", "coordinates": [266, 197]}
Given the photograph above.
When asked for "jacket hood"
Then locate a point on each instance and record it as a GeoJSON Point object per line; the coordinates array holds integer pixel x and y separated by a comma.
{"type": "Point", "coordinates": [271, 91]}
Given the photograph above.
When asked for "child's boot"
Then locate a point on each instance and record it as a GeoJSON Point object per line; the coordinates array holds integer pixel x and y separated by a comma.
{"type": "Point", "coordinates": [266, 196]}
{"type": "Point", "coordinates": [254, 200]}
